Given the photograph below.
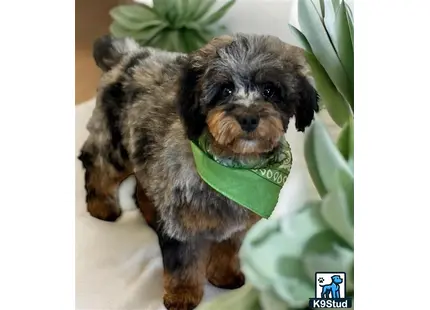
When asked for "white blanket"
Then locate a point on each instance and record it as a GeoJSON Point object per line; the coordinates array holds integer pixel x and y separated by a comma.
{"type": "Point", "coordinates": [118, 265]}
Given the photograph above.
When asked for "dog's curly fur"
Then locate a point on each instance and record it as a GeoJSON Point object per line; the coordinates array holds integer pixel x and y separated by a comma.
{"type": "Point", "coordinates": [242, 90]}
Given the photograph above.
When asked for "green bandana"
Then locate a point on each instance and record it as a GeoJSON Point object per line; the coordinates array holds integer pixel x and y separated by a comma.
{"type": "Point", "coordinates": [253, 185]}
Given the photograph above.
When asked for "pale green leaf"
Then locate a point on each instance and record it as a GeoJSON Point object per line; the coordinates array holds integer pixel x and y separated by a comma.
{"type": "Point", "coordinates": [191, 8]}
{"type": "Point", "coordinates": [337, 107]}
{"type": "Point", "coordinates": [119, 31]}
{"type": "Point", "coordinates": [217, 15]}
{"type": "Point", "coordinates": [270, 301]}
{"type": "Point", "coordinates": [162, 6]}
{"type": "Point", "coordinates": [304, 44]}
{"type": "Point", "coordinates": [261, 250]}
{"type": "Point", "coordinates": [344, 45]}
{"type": "Point", "coordinates": [135, 12]}
{"type": "Point", "coordinates": [326, 252]}
{"type": "Point", "coordinates": [244, 298]}
{"type": "Point", "coordinates": [313, 29]}
{"type": "Point", "coordinates": [345, 141]}
{"type": "Point", "coordinates": [203, 8]}
{"type": "Point", "coordinates": [322, 8]}
{"type": "Point", "coordinates": [130, 23]}
{"type": "Point", "coordinates": [191, 40]}
{"type": "Point", "coordinates": [151, 33]}
{"type": "Point", "coordinates": [337, 209]}
{"type": "Point", "coordinates": [317, 6]}
{"type": "Point", "coordinates": [177, 12]}
{"type": "Point", "coordinates": [202, 35]}
{"type": "Point", "coordinates": [323, 158]}
{"type": "Point", "coordinates": [335, 4]}
{"type": "Point", "coordinates": [294, 285]}
{"type": "Point", "coordinates": [350, 19]}
{"type": "Point", "coordinates": [173, 41]}
{"type": "Point", "coordinates": [329, 21]}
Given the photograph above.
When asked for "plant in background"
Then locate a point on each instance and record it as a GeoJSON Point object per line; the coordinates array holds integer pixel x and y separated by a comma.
{"type": "Point", "coordinates": [280, 256]}
{"type": "Point", "coordinates": [173, 25]}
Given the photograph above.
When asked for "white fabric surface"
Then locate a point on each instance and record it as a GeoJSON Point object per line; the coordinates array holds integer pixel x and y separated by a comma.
{"type": "Point", "coordinates": [118, 265]}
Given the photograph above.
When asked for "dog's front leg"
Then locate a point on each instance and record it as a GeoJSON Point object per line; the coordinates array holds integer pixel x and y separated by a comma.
{"type": "Point", "coordinates": [184, 273]}
{"type": "Point", "coordinates": [223, 268]}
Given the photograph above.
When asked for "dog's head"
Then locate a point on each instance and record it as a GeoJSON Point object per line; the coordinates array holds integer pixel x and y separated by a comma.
{"type": "Point", "coordinates": [244, 89]}
{"type": "Point", "coordinates": [336, 279]}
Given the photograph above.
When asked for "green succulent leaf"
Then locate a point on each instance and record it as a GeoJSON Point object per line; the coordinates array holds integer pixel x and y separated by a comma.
{"type": "Point", "coordinates": [326, 252]}
{"type": "Point", "coordinates": [216, 16]}
{"type": "Point", "coordinates": [335, 4]}
{"type": "Point", "coordinates": [318, 7]}
{"type": "Point", "coordinates": [203, 35]}
{"type": "Point", "coordinates": [119, 31]}
{"type": "Point", "coordinates": [295, 286]}
{"type": "Point", "coordinates": [131, 23]}
{"type": "Point", "coordinates": [202, 9]}
{"type": "Point", "coordinates": [345, 141]}
{"type": "Point", "coordinates": [323, 158]}
{"type": "Point", "coordinates": [191, 40]}
{"type": "Point", "coordinates": [344, 46]}
{"type": "Point", "coordinates": [304, 44]}
{"type": "Point", "coordinates": [173, 41]}
{"type": "Point", "coordinates": [271, 267]}
{"type": "Point", "coordinates": [244, 298]}
{"type": "Point", "coordinates": [270, 301]}
{"type": "Point", "coordinates": [339, 110]}
{"type": "Point", "coordinates": [337, 208]}
{"type": "Point", "coordinates": [162, 7]}
{"type": "Point", "coordinates": [313, 28]}
{"type": "Point", "coordinates": [134, 12]}
{"type": "Point", "coordinates": [350, 19]}
{"type": "Point", "coordinates": [322, 8]}
{"type": "Point", "coordinates": [329, 20]}
{"type": "Point", "coordinates": [151, 33]}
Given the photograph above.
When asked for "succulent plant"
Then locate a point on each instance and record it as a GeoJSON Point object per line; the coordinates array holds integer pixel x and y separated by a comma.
{"type": "Point", "coordinates": [280, 256]}
{"type": "Point", "coordinates": [173, 25]}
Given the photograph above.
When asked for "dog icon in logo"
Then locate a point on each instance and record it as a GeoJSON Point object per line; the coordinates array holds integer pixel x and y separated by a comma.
{"type": "Point", "coordinates": [332, 289]}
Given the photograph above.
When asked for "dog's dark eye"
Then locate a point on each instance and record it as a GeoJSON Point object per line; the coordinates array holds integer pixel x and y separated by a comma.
{"type": "Point", "coordinates": [227, 90]}
{"type": "Point", "coordinates": [269, 90]}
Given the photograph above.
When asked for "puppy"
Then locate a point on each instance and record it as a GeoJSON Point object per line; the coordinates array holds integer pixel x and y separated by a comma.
{"type": "Point", "coordinates": [242, 90]}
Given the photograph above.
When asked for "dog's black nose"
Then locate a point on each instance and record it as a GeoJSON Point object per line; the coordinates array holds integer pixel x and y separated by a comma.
{"type": "Point", "coordinates": [248, 122]}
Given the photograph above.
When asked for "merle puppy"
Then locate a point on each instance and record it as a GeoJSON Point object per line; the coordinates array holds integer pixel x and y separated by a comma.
{"type": "Point", "coordinates": [242, 90]}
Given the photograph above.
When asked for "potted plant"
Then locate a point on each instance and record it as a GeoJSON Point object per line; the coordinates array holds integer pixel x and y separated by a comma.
{"type": "Point", "coordinates": [280, 256]}
{"type": "Point", "coordinates": [173, 25]}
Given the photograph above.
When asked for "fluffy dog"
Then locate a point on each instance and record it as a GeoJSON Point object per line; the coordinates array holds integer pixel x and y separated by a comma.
{"type": "Point", "coordinates": [242, 90]}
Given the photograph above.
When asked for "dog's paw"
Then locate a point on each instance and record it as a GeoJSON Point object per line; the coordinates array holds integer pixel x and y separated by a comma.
{"type": "Point", "coordinates": [184, 300]}
{"type": "Point", "coordinates": [103, 209]}
{"type": "Point", "coordinates": [180, 305]}
{"type": "Point", "coordinates": [229, 281]}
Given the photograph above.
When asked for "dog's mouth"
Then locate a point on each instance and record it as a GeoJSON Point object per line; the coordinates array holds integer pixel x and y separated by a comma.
{"type": "Point", "coordinates": [252, 136]}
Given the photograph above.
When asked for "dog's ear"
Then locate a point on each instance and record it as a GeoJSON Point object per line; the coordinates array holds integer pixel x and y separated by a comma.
{"type": "Point", "coordinates": [108, 51]}
{"type": "Point", "coordinates": [188, 101]}
{"type": "Point", "coordinates": [193, 69]}
{"type": "Point", "coordinates": [307, 104]}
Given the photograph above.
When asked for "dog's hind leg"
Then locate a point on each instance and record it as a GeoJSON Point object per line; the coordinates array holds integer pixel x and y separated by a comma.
{"type": "Point", "coordinates": [102, 179]}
